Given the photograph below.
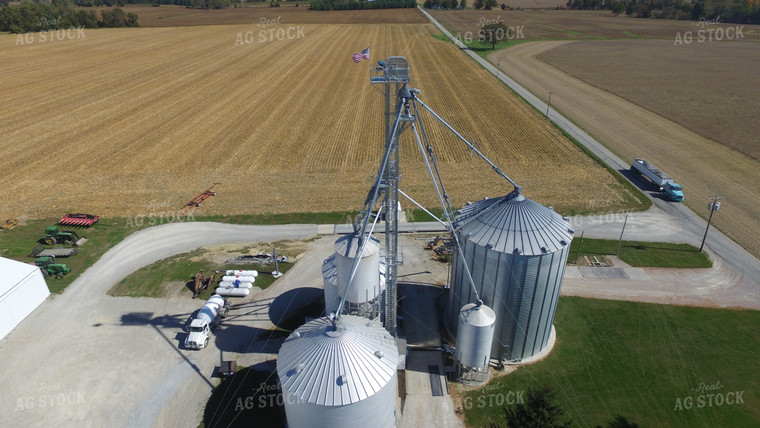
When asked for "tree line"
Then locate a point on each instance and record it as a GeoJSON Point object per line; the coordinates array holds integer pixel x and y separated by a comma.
{"type": "Point", "coordinates": [32, 16]}
{"type": "Point", "coordinates": [738, 12]}
{"type": "Point", "coordinates": [193, 4]}
{"type": "Point", "coordinates": [356, 5]}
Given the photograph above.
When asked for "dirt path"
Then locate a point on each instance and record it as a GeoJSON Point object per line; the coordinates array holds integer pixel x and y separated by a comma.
{"type": "Point", "coordinates": [703, 166]}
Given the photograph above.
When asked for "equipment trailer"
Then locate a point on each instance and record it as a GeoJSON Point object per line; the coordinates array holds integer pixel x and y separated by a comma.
{"type": "Point", "coordinates": [40, 251]}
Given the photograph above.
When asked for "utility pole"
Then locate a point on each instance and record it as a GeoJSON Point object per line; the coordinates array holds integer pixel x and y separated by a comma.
{"type": "Point", "coordinates": [714, 205]}
{"type": "Point", "coordinates": [617, 253]}
{"type": "Point", "coordinates": [578, 252]}
{"type": "Point", "coordinates": [548, 104]}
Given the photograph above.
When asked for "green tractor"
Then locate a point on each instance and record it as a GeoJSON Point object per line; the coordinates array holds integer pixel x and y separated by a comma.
{"type": "Point", "coordinates": [53, 235]}
{"type": "Point", "coordinates": [49, 268]}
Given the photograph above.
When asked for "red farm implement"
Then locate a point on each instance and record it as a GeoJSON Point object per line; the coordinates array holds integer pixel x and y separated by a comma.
{"type": "Point", "coordinates": [81, 220]}
{"type": "Point", "coordinates": [196, 201]}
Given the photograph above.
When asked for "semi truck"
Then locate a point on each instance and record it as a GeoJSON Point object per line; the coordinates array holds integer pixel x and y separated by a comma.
{"type": "Point", "coordinates": [660, 181]}
{"type": "Point", "coordinates": [209, 315]}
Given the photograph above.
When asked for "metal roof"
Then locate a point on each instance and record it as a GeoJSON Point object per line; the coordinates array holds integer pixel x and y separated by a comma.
{"type": "Point", "coordinates": [13, 272]}
{"type": "Point", "coordinates": [348, 245]}
{"type": "Point", "coordinates": [477, 316]}
{"type": "Point", "coordinates": [333, 367]}
{"type": "Point", "coordinates": [514, 224]}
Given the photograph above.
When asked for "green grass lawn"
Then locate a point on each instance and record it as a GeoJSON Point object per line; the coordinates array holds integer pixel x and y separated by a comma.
{"type": "Point", "coordinates": [641, 361]}
{"type": "Point", "coordinates": [149, 281]}
{"type": "Point", "coordinates": [17, 243]}
{"type": "Point", "coordinates": [642, 254]}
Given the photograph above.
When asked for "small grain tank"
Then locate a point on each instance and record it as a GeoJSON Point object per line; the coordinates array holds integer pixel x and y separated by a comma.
{"type": "Point", "coordinates": [366, 284]}
{"type": "Point", "coordinates": [475, 336]}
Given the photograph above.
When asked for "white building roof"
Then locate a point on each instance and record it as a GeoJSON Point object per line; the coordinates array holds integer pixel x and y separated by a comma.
{"type": "Point", "coordinates": [12, 272]}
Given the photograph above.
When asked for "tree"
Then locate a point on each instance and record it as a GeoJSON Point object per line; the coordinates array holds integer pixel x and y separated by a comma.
{"type": "Point", "coordinates": [493, 33]}
{"type": "Point", "coordinates": [490, 4]}
{"type": "Point", "coordinates": [132, 20]}
{"type": "Point", "coordinates": [478, 4]}
{"type": "Point", "coordinates": [618, 8]}
{"type": "Point", "coordinates": [698, 11]}
{"type": "Point", "coordinates": [538, 411]}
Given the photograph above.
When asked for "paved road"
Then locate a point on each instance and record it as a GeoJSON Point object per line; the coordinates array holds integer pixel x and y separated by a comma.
{"type": "Point", "coordinates": [733, 254]}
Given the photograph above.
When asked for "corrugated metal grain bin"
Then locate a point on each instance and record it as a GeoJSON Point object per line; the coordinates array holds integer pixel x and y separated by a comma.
{"type": "Point", "coordinates": [516, 250]}
{"type": "Point", "coordinates": [343, 375]}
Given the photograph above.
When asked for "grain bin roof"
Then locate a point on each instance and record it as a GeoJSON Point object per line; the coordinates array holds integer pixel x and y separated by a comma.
{"type": "Point", "coordinates": [514, 224]}
{"type": "Point", "coordinates": [348, 245]}
{"type": "Point", "coordinates": [334, 367]}
{"type": "Point", "coordinates": [477, 316]}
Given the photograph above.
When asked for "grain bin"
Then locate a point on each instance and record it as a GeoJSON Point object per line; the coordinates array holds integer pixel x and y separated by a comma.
{"type": "Point", "coordinates": [475, 336]}
{"type": "Point", "coordinates": [516, 250]}
{"type": "Point", "coordinates": [366, 284]}
{"type": "Point", "coordinates": [342, 375]}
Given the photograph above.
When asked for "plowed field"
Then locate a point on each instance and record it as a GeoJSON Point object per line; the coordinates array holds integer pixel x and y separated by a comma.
{"type": "Point", "coordinates": [126, 120]}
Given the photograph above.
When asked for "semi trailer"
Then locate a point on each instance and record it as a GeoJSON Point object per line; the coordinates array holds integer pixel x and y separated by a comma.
{"type": "Point", "coordinates": [660, 181]}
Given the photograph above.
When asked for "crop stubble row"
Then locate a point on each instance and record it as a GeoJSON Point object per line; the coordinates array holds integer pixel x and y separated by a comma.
{"type": "Point", "coordinates": [130, 119]}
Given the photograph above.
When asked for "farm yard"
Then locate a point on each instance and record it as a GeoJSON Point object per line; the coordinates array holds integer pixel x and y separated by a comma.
{"type": "Point", "coordinates": [265, 110]}
{"type": "Point", "coordinates": [129, 119]}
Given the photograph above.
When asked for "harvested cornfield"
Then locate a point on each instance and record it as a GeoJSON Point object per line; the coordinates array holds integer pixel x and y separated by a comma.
{"type": "Point", "coordinates": [126, 120]}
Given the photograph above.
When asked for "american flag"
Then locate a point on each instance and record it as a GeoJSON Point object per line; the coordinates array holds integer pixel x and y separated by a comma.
{"type": "Point", "coordinates": [357, 57]}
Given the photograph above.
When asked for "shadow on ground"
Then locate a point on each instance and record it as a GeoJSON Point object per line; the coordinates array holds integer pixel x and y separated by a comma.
{"type": "Point", "coordinates": [286, 305]}
{"type": "Point", "coordinates": [252, 397]}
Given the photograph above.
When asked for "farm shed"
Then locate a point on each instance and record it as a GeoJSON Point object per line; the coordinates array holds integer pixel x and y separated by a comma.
{"type": "Point", "coordinates": [22, 289]}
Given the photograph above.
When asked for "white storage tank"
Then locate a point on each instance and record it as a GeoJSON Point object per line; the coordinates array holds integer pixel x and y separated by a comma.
{"type": "Point", "coordinates": [475, 335]}
{"type": "Point", "coordinates": [252, 273]}
{"type": "Point", "coordinates": [233, 292]}
{"type": "Point", "coordinates": [236, 284]}
{"type": "Point", "coordinates": [243, 278]}
{"type": "Point", "coordinates": [516, 250]}
{"type": "Point", "coordinates": [366, 284]}
{"type": "Point", "coordinates": [343, 375]}
{"type": "Point", "coordinates": [330, 277]}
